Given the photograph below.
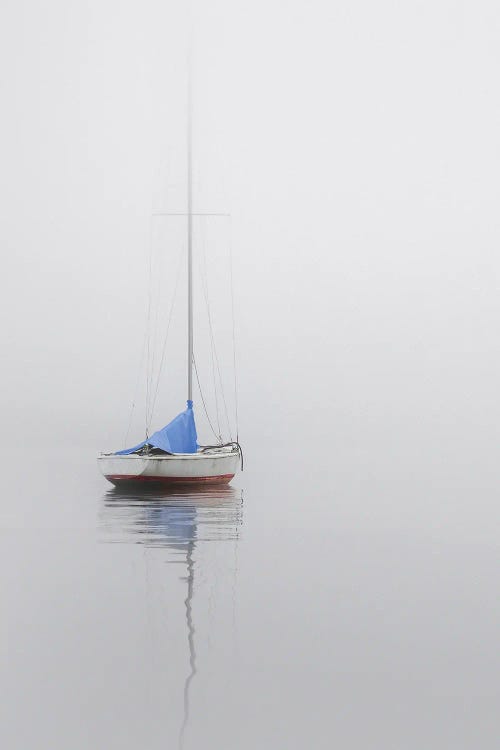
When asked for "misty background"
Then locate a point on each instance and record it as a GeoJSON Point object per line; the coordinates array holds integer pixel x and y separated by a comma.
{"type": "Point", "coordinates": [356, 147]}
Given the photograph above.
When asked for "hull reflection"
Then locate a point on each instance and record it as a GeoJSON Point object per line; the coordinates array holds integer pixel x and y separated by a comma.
{"type": "Point", "coordinates": [172, 517]}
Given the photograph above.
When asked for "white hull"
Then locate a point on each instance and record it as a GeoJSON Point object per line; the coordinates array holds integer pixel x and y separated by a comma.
{"type": "Point", "coordinates": [214, 465]}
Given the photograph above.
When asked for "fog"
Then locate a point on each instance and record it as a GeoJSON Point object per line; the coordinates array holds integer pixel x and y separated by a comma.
{"type": "Point", "coordinates": [355, 146]}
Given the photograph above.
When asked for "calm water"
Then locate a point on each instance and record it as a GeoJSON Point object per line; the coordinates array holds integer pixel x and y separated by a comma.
{"type": "Point", "coordinates": [290, 610]}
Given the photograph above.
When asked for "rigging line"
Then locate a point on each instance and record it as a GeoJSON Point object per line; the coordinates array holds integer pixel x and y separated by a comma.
{"type": "Point", "coordinates": [148, 324]}
{"type": "Point", "coordinates": [141, 363]}
{"type": "Point", "coordinates": [134, 399]}
{"type": "Point", "coordinates": [217, 437]}
{"type": "Point", "coordinates": [166, 333]}
{"type": "Point", "coordinates": [213, 352]}
{"type": "Point", "coordinates": [180, 213]}
{"type": "Point", "coordinates": [156, 300]}
{"type": "Point", "coordinates": [205, 291]}
{"type": "Point", "coordinates": [157, 296]}
{"type": "Point", "coordinates": [204, 280]}
{"type": "Point", "coordinates": [233, 326]}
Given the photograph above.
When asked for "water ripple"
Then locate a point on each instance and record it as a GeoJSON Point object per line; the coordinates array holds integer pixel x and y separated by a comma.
{"type": "Point", "coordinates": [162, 518]}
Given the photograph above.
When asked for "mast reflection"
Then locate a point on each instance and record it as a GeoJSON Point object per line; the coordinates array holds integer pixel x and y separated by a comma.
{"type": "Point", "coordinates": [176, 520]}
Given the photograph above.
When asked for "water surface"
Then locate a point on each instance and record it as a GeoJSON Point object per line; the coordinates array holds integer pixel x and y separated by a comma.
{"type": "Point", "coordinates": [355, 610]}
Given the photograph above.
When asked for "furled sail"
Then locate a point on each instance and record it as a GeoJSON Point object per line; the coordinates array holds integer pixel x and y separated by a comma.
{"type": "Point", "coordinates": [178, 436]}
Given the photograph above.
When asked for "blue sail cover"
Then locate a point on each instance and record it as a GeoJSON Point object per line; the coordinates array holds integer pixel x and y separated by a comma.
{"type": "Point", "coordinates": [178, 436]}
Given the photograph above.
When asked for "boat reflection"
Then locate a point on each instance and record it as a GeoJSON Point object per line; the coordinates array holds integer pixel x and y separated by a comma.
{"type": "Point", "coordinates": [172, 518]}
{"type": "Point", "coordinates": [177, 520]}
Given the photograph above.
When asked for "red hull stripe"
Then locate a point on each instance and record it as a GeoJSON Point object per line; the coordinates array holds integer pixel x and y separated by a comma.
{"type": "Point", "coordinates": [121, 478]}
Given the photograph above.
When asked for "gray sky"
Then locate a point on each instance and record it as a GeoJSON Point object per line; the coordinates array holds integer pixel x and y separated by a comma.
{"type": "Point", "coordinates": [350, 600]}
{"type": "Point", "coordinates": [356, 146]}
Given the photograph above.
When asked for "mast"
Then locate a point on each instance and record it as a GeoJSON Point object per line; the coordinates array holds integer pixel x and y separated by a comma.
{"type": "Point", "coordinates": [188, 603]}
{"type": "Point", "coordinates": [190, 228]}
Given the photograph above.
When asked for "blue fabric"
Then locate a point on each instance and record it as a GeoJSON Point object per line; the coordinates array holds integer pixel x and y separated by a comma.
{"type": "Point", "coordinates": [178, 436]}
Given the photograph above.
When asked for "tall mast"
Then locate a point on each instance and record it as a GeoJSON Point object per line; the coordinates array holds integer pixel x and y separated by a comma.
{"type": "Point", "coordinates": [190, 225]}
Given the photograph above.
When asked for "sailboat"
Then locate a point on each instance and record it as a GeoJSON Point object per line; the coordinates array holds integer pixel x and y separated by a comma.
{"type": "Point", "coordinates": [172, 455]}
